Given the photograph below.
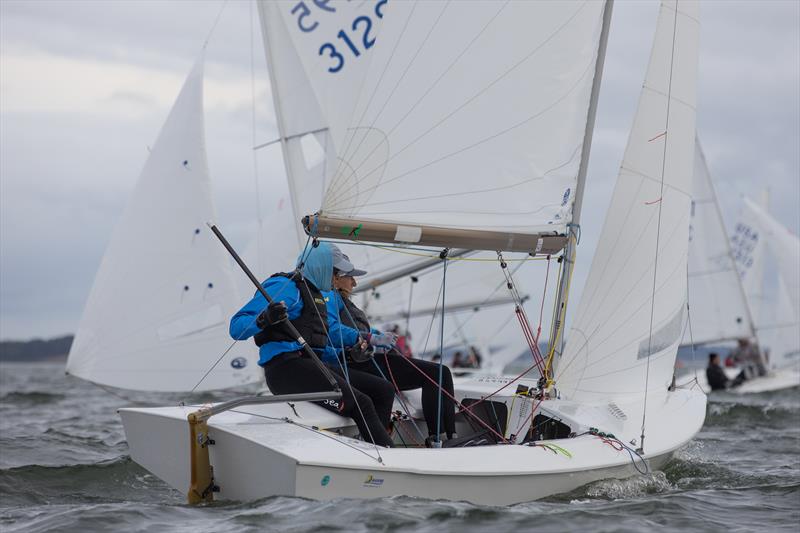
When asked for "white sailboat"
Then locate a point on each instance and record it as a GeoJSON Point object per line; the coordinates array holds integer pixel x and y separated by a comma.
{"type": "Point", "coordinates": [414, 169]}
{"type": "Point", "coordinates": [157, 315]}
{"type": "Point", "coordinates": [760, 236]}
{"type": "Point", "coordinates": [720, 304]}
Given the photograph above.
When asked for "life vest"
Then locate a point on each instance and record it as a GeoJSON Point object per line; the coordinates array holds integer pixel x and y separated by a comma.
{"type": "Point", "coordinates": [308, 324]}
{"type": "Point", "coordinates": [354, 317]}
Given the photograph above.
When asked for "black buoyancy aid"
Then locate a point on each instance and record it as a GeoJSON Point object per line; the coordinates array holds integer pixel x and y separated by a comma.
{"type": "Point", "coordinates": [354, 317]}
{"type": "Point", "coordinates": [312, 324]}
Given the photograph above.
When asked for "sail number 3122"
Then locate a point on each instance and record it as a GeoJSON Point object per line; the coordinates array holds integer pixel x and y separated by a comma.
{"type": "Point", "coordinates": [355, 39]}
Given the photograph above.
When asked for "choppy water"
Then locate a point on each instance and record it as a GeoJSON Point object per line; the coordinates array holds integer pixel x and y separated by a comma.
{"type": "Point", "coordinates": [64, 466]}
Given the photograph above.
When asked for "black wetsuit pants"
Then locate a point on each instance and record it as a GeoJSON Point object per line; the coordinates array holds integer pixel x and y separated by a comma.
{"type": "Point", "coordinates": [410, 373]}
{"type": "Point", "coordinates": [290, 373]}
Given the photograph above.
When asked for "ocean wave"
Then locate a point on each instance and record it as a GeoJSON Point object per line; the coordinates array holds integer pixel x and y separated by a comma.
{"type": "Point", "coordinates": [31, 398]}
{"type": "Point", "coordinates": [115, 480]}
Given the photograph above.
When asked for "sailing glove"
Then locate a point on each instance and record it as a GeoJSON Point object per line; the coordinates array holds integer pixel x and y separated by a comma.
{"type": "Point", "coordinates": [360, 352]}
{"type": "Point", "coordinates": [386, 340]}
{"type": "Point", "coordinates": [274, 313]}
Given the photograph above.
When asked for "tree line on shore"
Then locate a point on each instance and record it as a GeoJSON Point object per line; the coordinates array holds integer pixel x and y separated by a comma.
{"type": "Point", "coordinates": [36, 349]}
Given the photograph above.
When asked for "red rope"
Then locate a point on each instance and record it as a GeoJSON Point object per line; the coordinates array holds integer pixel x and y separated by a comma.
{"type": "Point", "coordinates": [529, 338]}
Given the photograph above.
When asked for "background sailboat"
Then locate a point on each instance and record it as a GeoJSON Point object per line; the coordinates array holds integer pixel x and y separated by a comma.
{"type": "Point", "coordinates": [760, 237]}
{"type": "Point", "coordinates": [156, 318]}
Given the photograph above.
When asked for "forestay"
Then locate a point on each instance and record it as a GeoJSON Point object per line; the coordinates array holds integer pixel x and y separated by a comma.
{"type": "Point", "coordinates": [157, 315]}
{"type": "Point", "coordinates": [472, 116]}
{"type": "Point", "coordinates": [716, 299]}
{"type": "Point", "coordinates": [629, 321]}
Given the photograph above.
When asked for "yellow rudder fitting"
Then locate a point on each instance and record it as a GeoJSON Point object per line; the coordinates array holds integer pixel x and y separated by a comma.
{"type": "Point", "coordinates": [202, 487]}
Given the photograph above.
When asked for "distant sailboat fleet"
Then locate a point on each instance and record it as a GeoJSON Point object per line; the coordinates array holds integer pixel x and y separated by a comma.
{"type": "Point", "coordinates": [448, 142]}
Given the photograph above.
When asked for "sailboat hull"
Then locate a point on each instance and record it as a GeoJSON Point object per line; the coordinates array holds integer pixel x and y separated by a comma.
{"type": "Point", "coordinates": [775, 380]}
{"type": "Point", "coordinates": [257, 454]}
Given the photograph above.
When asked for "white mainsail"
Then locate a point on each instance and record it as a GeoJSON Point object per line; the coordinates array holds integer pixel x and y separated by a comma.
{"type": "Point", "coordinates": [302, 95]}
{"type": "Point", "coordinates": [629, 320]}
{"type": "Point", "coordinates": [157, 315]}
{"type": "Point", "coordinates": [717, 303]}
{"type": "Point", "coordinates": [462, 125]}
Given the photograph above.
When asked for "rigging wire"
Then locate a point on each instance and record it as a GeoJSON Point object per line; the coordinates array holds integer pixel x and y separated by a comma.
{"type": "Point", "coordinates": [658, 228]}
{"type": "Point", "coordinates": [214, 25]}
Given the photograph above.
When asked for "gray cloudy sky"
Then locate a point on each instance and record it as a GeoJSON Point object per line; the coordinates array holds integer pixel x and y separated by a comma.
{"type": "Point", "coordinates": [85, 87]}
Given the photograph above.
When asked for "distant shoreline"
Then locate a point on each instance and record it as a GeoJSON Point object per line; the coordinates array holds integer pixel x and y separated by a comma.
{"type": "Point", "coordinates": [53, 350]}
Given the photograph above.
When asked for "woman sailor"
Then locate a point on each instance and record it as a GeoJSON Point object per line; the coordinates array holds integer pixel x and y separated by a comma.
{"type": "Point", "coordinates": [298, 298]}
{"type": "Point", "coordinates": [405, 372]}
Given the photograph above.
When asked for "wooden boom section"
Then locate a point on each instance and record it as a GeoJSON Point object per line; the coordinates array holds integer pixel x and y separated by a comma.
{"type": "Point", "coordinates": [388, 232]}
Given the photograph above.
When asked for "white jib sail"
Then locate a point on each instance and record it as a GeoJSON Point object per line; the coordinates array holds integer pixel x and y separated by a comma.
{"type": "Point", "coordinates": [157, 315]}
{"type": "Point", "coordinates": [629, 321]}
{"type": "Point", "coordinates": [472, 116]}
{"type": "Point", "coordinates": [716, 299]}
{"type": "Point", "coordinates": [749, 251]}
{"type": "Point", "coordinates": [785, 248]}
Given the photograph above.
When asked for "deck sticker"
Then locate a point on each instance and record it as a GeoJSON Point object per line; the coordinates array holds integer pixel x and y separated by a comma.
{"type": "Point", "coordinates": [239, 362]}
{"type": "Point", "coordinates": [373, 481]}
{"type": "Point", "coordinates": [325, 480]}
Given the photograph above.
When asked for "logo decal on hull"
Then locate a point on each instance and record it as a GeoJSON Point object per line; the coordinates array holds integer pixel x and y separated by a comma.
{"type": "Point", "coordinates": [373, 481]}
{"type": "Point", "coordinates": [325, 480]}
{"type": "Point", "coordinates": [239, 362]}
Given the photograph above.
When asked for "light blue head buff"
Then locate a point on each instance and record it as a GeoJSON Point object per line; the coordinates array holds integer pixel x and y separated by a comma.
{"type": "Point", "coordinates": [318, 265]}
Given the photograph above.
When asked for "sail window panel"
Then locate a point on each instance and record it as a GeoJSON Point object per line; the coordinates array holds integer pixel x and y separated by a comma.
{"type": "Point", "coordinates": [472, 116]}
{"type": "Point", "coordinates": [313, 152]}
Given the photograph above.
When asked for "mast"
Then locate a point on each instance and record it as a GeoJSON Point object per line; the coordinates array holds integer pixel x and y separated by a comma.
{"type": "Point", "coordinates": [573, 230]}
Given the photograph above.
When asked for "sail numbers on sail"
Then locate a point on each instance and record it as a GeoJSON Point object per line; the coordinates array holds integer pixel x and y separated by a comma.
{"type": "Point", "coordinates": [359, 37]}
